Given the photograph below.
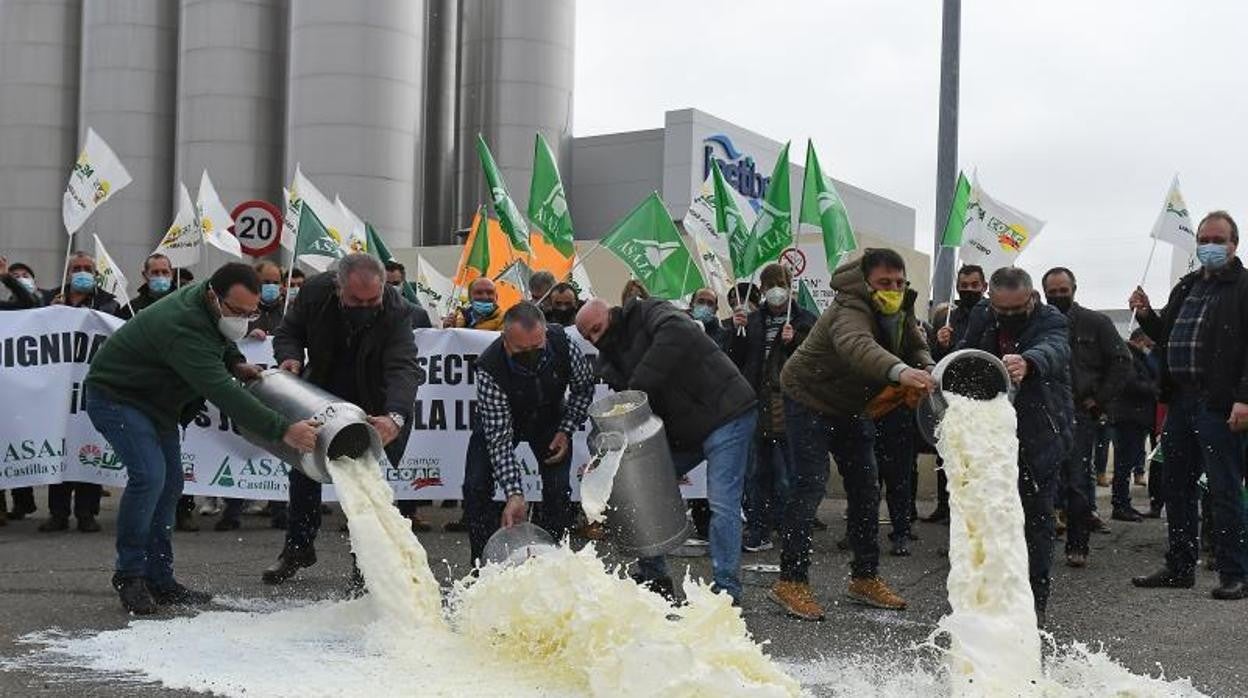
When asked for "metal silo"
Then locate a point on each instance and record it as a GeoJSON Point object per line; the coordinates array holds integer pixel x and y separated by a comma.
{"type": "Point", "coordinates": [38, 128]}
{"type": "Point", "coordinates": [128, 95]}
{"type": "Point", "coordinates": [515, 80]}
{"type": "Point", "coordinates": [437, 202]}
{"type": "Point", "coordinates": [231, 97]}
{"type": "Point", "coordinates": [354, 106]}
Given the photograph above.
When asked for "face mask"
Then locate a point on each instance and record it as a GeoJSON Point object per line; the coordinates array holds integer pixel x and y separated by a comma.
{"type": "Point", "coordinates": [269, 293]}
{"type": "Point", "coordinates": [27, 283]}
{"type": "Point", "coordinates": [703, 313]}
{"type": "Point", "coordinates": [563, 317]}
{"type": "Point", "coordinates": [483, 308]}
{"type": "Point", "coordinates": [159, 285]}
{"type": "Point", "coordinates": [968, 299]}
{"type": "Point", "coordinates": [1062, 303]}
{"type": "Point", "coordinates": [530, 359]}
{"type": "Point", "coordinates": [360, 318]}
{"type": "Point", "coordinates": [607, 340]}
{"type": "Point", "coordinates": [1012, 324]}
{"type": "Point", "coordinates": [777, 297]}
{"type": "Point", "coordinates": [1212, 255]}
{"type": "Point", "coordinates": [82, 281]}
{"type": "Point", "coordinates": [888, 302]}
{"type": "Point", "coordinates": [292, 292]}
{"type": "Point", "coordinates": [232, 328]}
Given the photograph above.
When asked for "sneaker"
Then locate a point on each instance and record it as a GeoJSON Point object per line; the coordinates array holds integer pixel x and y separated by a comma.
{"type": "Point", "coordinates": [873, 591]}
{"type": "Point", "coordinates": [1076, 560]}
{"type": "Point", "coordinates": [288, 563]}
{"type": "Point", "coordinates": [758, 546]}
{"type": "Point", "coordinates": [135, 597]}
{"type": "Point", "coordinates": [1097, 525]}
{"type": "Point", "coordinates": [54, 524]}
{"type": "Point", "coordinates": [210, 507]}
{"type": "Point", "coordinates": [1165, 578]}
{"type": "Point", "coordinates": [796, 599]}
{"type": "Point", "coordinates": [257, 509]}
{"type": "Point", "coordinates": [88, 524]}
{"type": "Point", "coordinates": [1102, 480]}
{"type": "Point", "coordinates": [901, 548]}
{"type": "Point", "coordinates": [1154, 512]}
{"type": "Point", "coordinates": [1231, 591]}
{"type": "Point", "coordinates": [1127, 515]}
{"type": "Point", "coordinates": [178, 595]}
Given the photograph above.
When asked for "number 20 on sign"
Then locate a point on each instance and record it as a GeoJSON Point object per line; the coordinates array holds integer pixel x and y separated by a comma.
{"type": "Point", "coordinates": [258, 227]}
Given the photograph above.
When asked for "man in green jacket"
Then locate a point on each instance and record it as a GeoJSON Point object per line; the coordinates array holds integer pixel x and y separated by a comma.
{"type": "Point", "coordinates": [153, 375]}
{"type": "Point", "coordinates": [867, 340]}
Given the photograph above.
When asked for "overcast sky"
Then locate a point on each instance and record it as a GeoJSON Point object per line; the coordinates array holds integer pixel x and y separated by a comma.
{"type": "Point", "coordinates": [1079, 113]}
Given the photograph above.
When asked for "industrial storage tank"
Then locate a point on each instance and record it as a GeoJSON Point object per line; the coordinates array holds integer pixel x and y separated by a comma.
{"type": "Point", "coordinates": [128, 95]}
{"type": "Point", "coordinates": [38, 129]}
{"type": "Point", "coordinates": [354, 106]}
{"type": "Point", "coordinates": [515, 80]}
{"type": "Point", "coordinates": [231, 98]}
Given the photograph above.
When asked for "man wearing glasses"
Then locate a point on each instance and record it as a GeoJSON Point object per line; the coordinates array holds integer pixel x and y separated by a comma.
{"type": "Point", "coordinates": [1031, 340]}
{"type": "Point", "coordinates": [153, 375]}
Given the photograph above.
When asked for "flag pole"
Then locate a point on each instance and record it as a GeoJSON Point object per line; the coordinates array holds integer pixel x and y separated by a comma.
{"type": "Point", "coordinates": [684, 279]}
{"type": "Point", "coordinates": [1144, 278]}
{"type": "Point", "coordinates": [580, 259]}
{"type": "Point", "coordinates": [952, 291]}
{"type": "Point", "coordinates": [65, 273]}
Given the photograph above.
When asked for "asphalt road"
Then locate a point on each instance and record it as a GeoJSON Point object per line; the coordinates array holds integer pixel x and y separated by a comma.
{"type": "Point", "coordinates": [61, 581]}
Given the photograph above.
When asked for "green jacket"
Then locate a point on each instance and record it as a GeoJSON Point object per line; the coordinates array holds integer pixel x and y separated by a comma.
{"type": "Point", "coordinates": [169, 358]}
{"type": "Point", "coordinates": [844, 361]}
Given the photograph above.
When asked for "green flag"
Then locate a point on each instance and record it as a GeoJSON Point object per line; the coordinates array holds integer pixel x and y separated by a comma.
{"type": "Point", "coordinates": [313, 243]}
{"type": "Point", "coordinates": [729, 222]}
{"type": "Point", "coordinates": [377, 248]}
{"type": "Point", "coordinates": [548, 203]}
{"type": "Point", "coordinates": [823, 208]}
{"type": "Point", "coordinates": [957, 214]}
{"type": "Point", "coordinates": [478, 256]}
{"type": "Point", "coordinates": [805, 299]}
{"type": "Point", "coordinates": [508, 213]}
{"type": "Point", "coordinates": [648, 242]}
{"type": "Point", "coordinates": [773, 229]}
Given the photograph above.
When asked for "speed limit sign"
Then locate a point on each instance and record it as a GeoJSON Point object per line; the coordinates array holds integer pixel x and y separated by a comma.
{"type": "Point", "coordinates": [258, 227]}
{"type": "Point", "coordinates": [795, 260]}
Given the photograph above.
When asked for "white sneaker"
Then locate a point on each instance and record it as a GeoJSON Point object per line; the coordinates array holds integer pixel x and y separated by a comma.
{"type": "Point", "coordinates": [211, 507]}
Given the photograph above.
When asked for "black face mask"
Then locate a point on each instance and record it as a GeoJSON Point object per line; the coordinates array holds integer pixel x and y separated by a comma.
{"type": "Point", "coordinates": [1062, 303]}
{"type": "Point", "coordinates": [968, 299]}
{"type": "Point", "coordinates": [360, 317]}
{"type": "Point", "coordinates": [608, 340]}
{"type": "Point", "coordinates": [1013, 324]}
{"type": "Point", "coordinates": [561, 317]}
{"type": "Point", "coordinates": [529, 359]}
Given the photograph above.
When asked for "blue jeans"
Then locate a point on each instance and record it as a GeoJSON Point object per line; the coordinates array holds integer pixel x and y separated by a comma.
{"type": "Point", "coordinates": [851, 441]}
{"type": "Point", "coordinates": [766, 488]}
{"type": "Point", "coordinates": [726, 452]}
{"type": "Point", "coordinates": [1129, 440]}
{"type": "Point", "coordinates": [1197, 438]}
{"type": "Point", "coordinates": [153, 461]}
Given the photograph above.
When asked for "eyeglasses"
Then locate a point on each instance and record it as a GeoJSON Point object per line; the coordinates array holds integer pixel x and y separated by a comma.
{"type": "Point", "coordinates": [248, 315]}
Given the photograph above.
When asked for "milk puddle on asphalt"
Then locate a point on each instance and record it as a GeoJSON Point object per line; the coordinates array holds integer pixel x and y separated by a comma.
{"type": "Point", "coordinates": [562, 625]}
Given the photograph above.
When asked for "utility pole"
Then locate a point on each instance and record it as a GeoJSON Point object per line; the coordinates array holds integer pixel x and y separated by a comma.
{"type": "Point", "coordinates": [946, 148]}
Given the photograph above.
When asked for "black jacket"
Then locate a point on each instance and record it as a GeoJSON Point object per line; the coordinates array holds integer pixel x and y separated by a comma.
{"type": "Point", "coordinates": [1043, 402]}
{"type": "Point", "coordinates": [1100, 362]}
{"type": "Point", "coordinates": [385, 371]}
{"type": "Point", "coordinates": [692, 385]}
{"type": "Point", "coordinates": [14, 296]}
{"type": "Point", "coordinates": [749, 353]}
{"type": "Point", "coordinates": [144, 299]}
{"type": "Point", "coordinates": [958, 317]}
{"type": "Point", "coordinates": [420, 316]}
{"type": "Point", "coordinates": [1137, 401]}
{"type": "Point", "coordinates": [99, 299]}
{"type": "Point", "coordinates": [1224, 334]}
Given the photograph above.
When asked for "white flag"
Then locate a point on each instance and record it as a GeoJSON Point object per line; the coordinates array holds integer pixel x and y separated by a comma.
{"type": "Point", "coordinates": [290, 219]}
{"type": "Point", "coordinates": [710, 244]}
{"type": "Point", "coordinates": [304, 193]}
{"type": "Point", "coordinates": [1174, 224]}
{"type": "Point", "coordinates": [995, 233]}
{"type": "Point", "coordinates": [111, 279]}
{"type": "Point", "coordinates": [182, 241]}
{"type": "Point", "coordinates": [355, 235]}
{"type": "Point", "coordinates": [580, 279]}
{"type": "Point", "coordinates": [214, 219]}
{"type": "Point", "coordinates": [95, 177]}
{"type": "Point", "coordinates": [432, 288]}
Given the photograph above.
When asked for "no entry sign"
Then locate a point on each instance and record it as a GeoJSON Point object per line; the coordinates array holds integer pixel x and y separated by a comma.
{"type": "Point", "coordinates": [258, 227]}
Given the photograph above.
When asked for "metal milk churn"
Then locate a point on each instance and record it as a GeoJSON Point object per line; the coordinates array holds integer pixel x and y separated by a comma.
{"type": "Point", "coordinates": [967, 372]}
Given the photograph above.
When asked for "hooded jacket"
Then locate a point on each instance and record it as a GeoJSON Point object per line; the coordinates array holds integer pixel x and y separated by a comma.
{"type": "Point", "coordinates": [845, 362]}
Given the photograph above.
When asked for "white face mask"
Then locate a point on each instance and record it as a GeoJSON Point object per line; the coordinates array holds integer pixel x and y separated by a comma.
{"type": "Point", "coordinates": [776, 296]}
{"type": "Point", "coordinates": [232, 328]}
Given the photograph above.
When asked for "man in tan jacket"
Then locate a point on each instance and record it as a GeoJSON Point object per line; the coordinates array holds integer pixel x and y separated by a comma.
{"type": "Point", "coordinates": [867, 340]}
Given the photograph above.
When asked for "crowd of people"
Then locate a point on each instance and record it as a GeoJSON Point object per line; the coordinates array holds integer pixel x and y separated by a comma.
{"type": "Point", "coordinates": [769, 396]}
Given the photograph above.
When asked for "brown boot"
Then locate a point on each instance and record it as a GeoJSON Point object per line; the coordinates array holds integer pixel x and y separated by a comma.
{"type": "Point", "coordinates": [796, 599]}
{"type": "Point", "coordinates": [872, 591]}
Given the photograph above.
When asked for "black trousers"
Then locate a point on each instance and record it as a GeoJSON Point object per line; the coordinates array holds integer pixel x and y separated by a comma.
{"type": "Point", "coordinates": [1037, 494]}
{"type": "Point", "coordinates": [483, 513]}
{"type": "Point", "coordinates": [895, 460]}
{"type": "Point", "coordinates": [84, 497]}
{"type": "Point", "coordinates": [23, 500]}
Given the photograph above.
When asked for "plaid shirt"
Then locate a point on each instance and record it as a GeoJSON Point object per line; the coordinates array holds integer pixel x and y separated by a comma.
{"type": "Point", "coordinates": [1183, 349]}
{"type": "Point", "coordinates": [494, 418]}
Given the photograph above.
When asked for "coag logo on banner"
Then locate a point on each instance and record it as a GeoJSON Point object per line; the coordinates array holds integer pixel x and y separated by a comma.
{"type": "Point", "coordinates": [422, 472]}
{"type": "Point", "coordinates": [92, 456]}
{"type": "Point", "coordinates": [740, 170]}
